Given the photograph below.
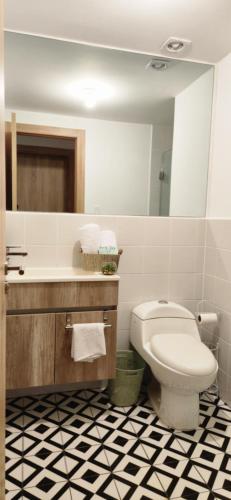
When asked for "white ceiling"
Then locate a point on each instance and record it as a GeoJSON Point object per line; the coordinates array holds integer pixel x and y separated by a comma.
{"type": "Point", "coordinates": [43, 74]}
{"type": "Point", "coordinates": [141, 25]}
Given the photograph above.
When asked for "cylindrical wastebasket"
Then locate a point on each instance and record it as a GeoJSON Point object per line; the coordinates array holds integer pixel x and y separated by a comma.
{"type": "Point", "coordinates": [214, 348]}
{"type": "Point", "coordinates": [124, 389]}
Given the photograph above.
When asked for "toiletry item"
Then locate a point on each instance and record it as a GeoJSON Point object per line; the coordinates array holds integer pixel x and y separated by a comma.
{"type": "Point", "coordinates": [207, 319]}
{"type": "Point", "coordinates": [88, 342]}
{"type": "Point", "coordinates": [90, 238]}
{"type": "Point", "coordinates": [108, 243]}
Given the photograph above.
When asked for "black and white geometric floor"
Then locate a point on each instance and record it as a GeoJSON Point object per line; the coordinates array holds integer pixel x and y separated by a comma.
{"type": "Point", "coordinates": [76, 445]}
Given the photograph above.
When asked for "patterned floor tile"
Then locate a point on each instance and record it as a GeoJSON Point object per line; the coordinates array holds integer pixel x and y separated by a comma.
{"type": "Point", "coordinates": [48, 491]}
{"type": "Point", "coordinates": [135, 459]}
{"type": "Point", "coordinates": [222, 482]}
{"type": "Point", "coordinates": [186, 490]}
{"type": "Point", "coordinates": [14, 420]}
{"type": "Point", "coordinates": [14, 474]}
{"type": "Point", "coordinates": [13, 445]}
{"type": "Point", "coordinates": [70, 434]}
{"type": "Point", "coordinates": [42, 438]}
{"type": "Point", "coordinates": [82, 462]}
{"type": "Point", "coordinates": [78, 445]}
{"type": "Point", "coordinates": [107, 429]}
{"type": "Point", "coordinates": [41, 469]}
{"type": "Point", "coordinates": [46, 415]}
{"type": "Point", "coordinates": [96, 488]}
{"type": "Point", "coordinates": [45, 399]}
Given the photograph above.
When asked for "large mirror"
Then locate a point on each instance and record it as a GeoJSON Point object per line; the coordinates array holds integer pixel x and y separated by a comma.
{"type": "Point", "coordinates": [104, 131]}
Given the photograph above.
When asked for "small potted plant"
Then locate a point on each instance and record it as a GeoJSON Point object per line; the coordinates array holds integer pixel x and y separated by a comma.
{"type": "Point", "coordinates": [109, 268]}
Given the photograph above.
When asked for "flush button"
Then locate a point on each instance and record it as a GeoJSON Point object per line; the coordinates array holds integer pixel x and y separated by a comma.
{"type": "Point", "coordinates": [162, 302]}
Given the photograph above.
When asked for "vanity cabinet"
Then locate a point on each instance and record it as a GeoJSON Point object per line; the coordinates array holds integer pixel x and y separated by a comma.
{"type": "Point", "coordinates": [38, 344]}
{"type": "Point", "coordinates": [30, 350]}
{"type": "Point", "coordinates": [68, 371]}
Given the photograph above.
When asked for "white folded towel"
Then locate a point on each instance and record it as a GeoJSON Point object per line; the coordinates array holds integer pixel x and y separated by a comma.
{"type": "Point", "coordinates": [88, 341]}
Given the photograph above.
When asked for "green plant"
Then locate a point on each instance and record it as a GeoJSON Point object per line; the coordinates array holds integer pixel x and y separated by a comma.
{"type": "Point", "coordinates": [109, 268]}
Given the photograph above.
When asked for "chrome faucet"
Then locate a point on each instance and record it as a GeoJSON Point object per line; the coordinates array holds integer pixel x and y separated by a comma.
{"type": "Point", "coordinates": [9, 254]}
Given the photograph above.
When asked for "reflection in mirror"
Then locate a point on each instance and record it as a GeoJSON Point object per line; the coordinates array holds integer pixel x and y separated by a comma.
{"type": "Point", "coordinates": [103, 131]}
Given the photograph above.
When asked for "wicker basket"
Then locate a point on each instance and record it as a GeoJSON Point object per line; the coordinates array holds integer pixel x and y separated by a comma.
{"type": "Point", "coordinates": [94, 261]}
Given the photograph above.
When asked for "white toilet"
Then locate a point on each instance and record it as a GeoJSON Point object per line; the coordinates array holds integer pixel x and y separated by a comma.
{"type": "Point", "coordinates": [165, 334]}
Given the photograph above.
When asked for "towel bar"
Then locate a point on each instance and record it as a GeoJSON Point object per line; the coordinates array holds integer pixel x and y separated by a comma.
{"type": "Point", "coordinates": [69, 326]}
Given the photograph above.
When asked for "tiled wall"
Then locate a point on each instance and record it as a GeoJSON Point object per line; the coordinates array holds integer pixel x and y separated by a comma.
{"type": "Point", "coordinates": [163, 257]}
{"type": "Point", "coordinates": [217, 294]}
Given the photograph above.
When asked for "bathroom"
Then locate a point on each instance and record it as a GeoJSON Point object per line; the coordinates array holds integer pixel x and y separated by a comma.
{"type": "Point", "coordinates": [133, 99]}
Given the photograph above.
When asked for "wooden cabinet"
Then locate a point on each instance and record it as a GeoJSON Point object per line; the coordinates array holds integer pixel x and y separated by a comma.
{"type": "Point", "coordinates": [30, 350]}
{"type": "Point", "coordinates": [38, 346]}
{"type": "Point", "coordinates": [66, 370]}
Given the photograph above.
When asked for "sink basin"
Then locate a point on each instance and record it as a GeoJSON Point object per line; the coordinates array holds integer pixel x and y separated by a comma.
{"type": "Point", "coordinates": [57, 274]}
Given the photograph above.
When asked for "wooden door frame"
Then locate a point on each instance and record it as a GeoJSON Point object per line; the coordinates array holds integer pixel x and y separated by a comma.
{"type": "Point", "coordinates": [2, 261]}
{"type": "Point", "coordinates": [79, 149]}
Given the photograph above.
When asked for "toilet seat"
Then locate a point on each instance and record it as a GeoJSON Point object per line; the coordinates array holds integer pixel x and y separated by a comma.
{"type": "Point", "coordinates": [183, 353]}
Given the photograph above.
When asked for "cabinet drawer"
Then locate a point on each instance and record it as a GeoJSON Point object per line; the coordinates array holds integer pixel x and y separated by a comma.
{"type": "Point", "coordinates": [37, 296]}
{"type": "Point", "coordinates": [68, 371]}
{"type": "Point", "coordinates": [30, 346]}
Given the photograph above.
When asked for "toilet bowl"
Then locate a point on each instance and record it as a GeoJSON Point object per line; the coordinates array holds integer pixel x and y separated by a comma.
{"type": "Point", "coordinates": [165, 334]}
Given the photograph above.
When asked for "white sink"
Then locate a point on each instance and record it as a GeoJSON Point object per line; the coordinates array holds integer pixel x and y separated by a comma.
{"type": "Point", "coordinates": [57, 274]}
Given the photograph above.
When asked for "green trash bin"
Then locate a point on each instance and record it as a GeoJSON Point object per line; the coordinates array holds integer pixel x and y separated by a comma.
{"type": "Point", "coordinates": [124, 389]}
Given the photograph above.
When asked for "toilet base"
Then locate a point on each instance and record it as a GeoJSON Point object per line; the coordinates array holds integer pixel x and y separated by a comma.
{"type": "Point", "coordinates": [176, 410]}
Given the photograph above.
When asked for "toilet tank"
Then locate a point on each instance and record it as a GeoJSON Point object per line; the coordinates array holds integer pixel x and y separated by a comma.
{"type": "Point", "coordinates": [157, 317]}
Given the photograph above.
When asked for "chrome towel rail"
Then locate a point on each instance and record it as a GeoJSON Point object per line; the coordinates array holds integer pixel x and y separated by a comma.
{"type": "Point", "coordinates": [69, 326]}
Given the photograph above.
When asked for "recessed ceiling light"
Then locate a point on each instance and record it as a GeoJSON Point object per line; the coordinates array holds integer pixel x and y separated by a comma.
{"type": "Point", "coordinates": [157, 64]}
{"type": "Point", "coordinates": [176, 45]}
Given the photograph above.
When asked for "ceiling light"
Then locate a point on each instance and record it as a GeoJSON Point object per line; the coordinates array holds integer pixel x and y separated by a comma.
{"type": "Point", "coordinates": [89, 97]}
{"type": "Point", "coordinates": [90, 92]}
{"type": "Point", "coordinates": [176, 45]}
{"type": "Point", "coordinates": [157, 64]}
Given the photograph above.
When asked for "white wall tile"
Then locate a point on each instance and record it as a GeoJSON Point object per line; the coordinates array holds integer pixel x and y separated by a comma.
{"type": "Point", "coordinates": [68, 229]}
{"type": "Point", "coordinates": [210, 261]}
{"type": "Point", "coordinates": [224, 384]}
{"type": "Point", "coordinates": [222, 294]}
{"type": "Point", "coordinates": [124, 314]}
{"type": "Point", "coordinates": [40, 229]}
{"type": "Point", "coordinates": [67, 256]}
{"type": "Point", "coordinates": [131, 261]}
{"type": "Point", "coordinates": [208, 291]}
{"type": "Point", "coordinates": [156, 231]}
{"type": "Point", "coordinates": [186, 259]}
{"type": "Point", "coordinates": [41, 256]}
{"type": "Point", "coordinates": [156, 259]}
{"type": "Point", "coordinates": [185, 286]}
{"type": "Point", "coordinates": [187, 231]}
{"type": "Point", "coordinates": [130, 288]}
{"type": "Point", "coordinates": [130, 231]}
{"type": "Point", "coordinates": [223, 264]}
{"type": "Point", "coordinates": [155, 286]}
{"type": "Point", "coordinates": [219, 233]}
{"type": "Point", "coordinates": [123, 339]}
{"type": "Point", "coordinates": [15, 228]}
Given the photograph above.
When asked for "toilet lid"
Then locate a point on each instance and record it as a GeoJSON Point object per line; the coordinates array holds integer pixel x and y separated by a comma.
{"type": "Point", "coordinates": [184, 353]}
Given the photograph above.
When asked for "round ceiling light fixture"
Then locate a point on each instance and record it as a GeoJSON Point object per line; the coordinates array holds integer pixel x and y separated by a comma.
{"type": "Point", "coordinates": [176, 45]}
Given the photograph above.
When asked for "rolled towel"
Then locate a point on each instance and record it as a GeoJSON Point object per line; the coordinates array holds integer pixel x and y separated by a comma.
{"type": "Point", "coordinates": [90, 238]}
{"type": "Point", "coordinates": [108, 244]}
{"type": "Point", "coordinates": [88, 341]}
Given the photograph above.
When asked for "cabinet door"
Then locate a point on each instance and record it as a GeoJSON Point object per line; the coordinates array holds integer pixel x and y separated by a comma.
{"type": "Point", "coordinates": [30, 346]}
{"type": "Point", "coordinates": [66, 370]}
